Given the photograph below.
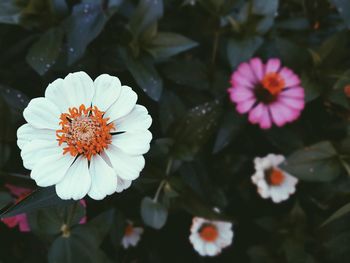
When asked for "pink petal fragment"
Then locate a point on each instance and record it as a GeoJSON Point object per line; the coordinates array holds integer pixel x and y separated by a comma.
{"type": "Point", "coordinates": [257, 67]}
{"type": "Point", "coordinates": [295, 92]}
{"type": "Point", "coordinates": [290, 78]}
{"type": "Point", "coordinates": [285, 113]}
{"type": "Point", "coordinates": [245, 70]}
{"type": "Point", "coordinates": [265, 120]}
{"type": "Point", "coordinates": [256, 113]}
{"type": "Point", "coordinates": [277, 115]}
{"type": "Point", "coordinates": [239, 80]}
{"type": "Point", "coordinates": [239, 94]}
{"type": "Point", "coordinates": [294, 103]}
{"type": "Point", "coordinates": [272, 65]}
{"type": "Point", "coordinates": [245, 106]}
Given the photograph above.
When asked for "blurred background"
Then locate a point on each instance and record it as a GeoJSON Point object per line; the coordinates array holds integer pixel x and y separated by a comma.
{"type": "Point", "coordinates": [178, 56]}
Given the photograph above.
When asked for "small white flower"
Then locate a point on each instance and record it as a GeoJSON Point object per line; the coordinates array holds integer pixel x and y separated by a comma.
{"type": "Point", "coordinates": [272, 182]}
{"type": "Point", "coordinates": [132, 235]}
{"type": "Point", "coordinates": [85, 136]}
{"type": "Point", "coordinates": [209, 237]}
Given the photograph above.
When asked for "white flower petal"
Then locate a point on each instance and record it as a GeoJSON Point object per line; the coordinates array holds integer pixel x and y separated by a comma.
{"type": "Point", "coordinates": [126, 166]}
{"type": "Point", "coordinates": [36, 150]}
{"type": "Point", "coordinates": [42, 113]}
{"type": "Point", "coordinates": [211, 249]}
{"type": "Point", "coordinates": [123, 185]}
{"type": "Point", "coordinates": [107, 91]}
{"type": "Point", "coordinates": [51, 169]}
{"type": "Point", "coordinates": [81, 89]}
{"type": "Point", "coordinates": [137, 120]}
{"type": "Point", "coordinates": [27, 133]}
{"type": "Point", "coordinates": [77, 181]}
{"type": "Point", "coordinates": [103, 178]}
{"type": "Point", "coordinates": [123, 105]}
{"type": "Point", "coordinates": [136, 143]}
{"type": "Point", "coordinates": [58, 93]}
{"type": "Point", "coordinates": [72, 91]}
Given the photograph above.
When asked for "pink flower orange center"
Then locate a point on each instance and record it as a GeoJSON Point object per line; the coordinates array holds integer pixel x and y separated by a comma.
{"type": "Point", "coordinates": [128, 230]}
{"type": "Point", "coordinates": [273, 82]}
{"type": "Point", "coordinates": [84, 131]}
{"type": "Point", "coordinates": [208, 233]}
{"type": "Point", "coordinates": [275, 177]}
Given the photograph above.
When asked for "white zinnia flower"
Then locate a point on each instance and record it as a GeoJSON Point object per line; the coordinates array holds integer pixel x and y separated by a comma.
{"type": "Point", "coordinates": [85, 136]}
{"type": "Point", "coordinates": [209, 237]}
{"type": "Point", "coordinates": [132, 235]}
{"type": "Point", "coordinates": [272, 182]}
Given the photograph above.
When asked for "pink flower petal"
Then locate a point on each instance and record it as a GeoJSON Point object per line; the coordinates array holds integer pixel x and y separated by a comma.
{"type": "Point", "coordinates": [245, 70]}
{"type": "Point", "coordinates": [239, 80]}
{"type": "Point", "coordinates": [295, 92]}
{"type": "Point", "coordinates": [294, 103]}
{"type": "Point", "coordinates": [257, 67]}
{"type": "Point", "coordinates": [10, 221]}
{"type": "Point", "coordinates": [289, 77]}
{"type": "Point", "coordinates": [265, 120]}
{"type": "Point", "coordinates": [256, 113]}
{"type": "Point", "coordinates": [245, 106]}
{"type": "Point", "coordinates": [277, 115]}
{"type": "Point", "coordinates": [23, 223]}
{"type": "Point", "coordinates": [17, 191]}
{"type": "Point", "coordinates": [239, 94]}
{"type": "Point", "coordinates": [272, 65]}
{"type": "Point", "coordinates": [285, 113]}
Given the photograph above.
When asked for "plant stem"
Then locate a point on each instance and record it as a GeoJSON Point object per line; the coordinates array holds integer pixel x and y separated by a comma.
{"type": "Point", "coordinates": [160, 187]}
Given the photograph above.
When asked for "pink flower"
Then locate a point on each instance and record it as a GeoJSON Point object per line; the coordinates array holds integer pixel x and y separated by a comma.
{"type": "Point", "coordinates": [270, 93]}
{"type": "Point", "coordinates": [20, 220]}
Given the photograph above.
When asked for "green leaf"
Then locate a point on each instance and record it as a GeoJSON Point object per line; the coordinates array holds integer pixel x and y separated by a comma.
{"type": "Point", "coordinates": [9, 12]}
{"type": "Point", "coordinates": [293, 55]}
{"type": "Point", "coordinates": [100, 225]}
{"type": "Point", "coordinates": [240, 50]}
{"type": "Point", "coordinates": [43, 54]}
{"type": "Point", "coordinates": [267, 7]}
{"type": "Point", "coordinates": [170, 109]}
{"type": "Point", "coordinates": [40, 198]}
{"type": "Point", "coordinates": [5, 131]}
{"type": "Point", "coordinates": [333, 49]}
{"type": "Point", "coordinates": [317, 163]}
{"type": "Point", "coordinates": [154, 214]}
{"type": "Point", "coordinates": [144, 73]}
{"type": "Point", "coordinates": [311, 87]}
{"type": "Point", "coordinates": [5, 199]}
{"type": "Point", "coordinates": [50, 220]}
{"type": "Point", "coordinates": [78, 247]}
{"type": "Point", "coordinates": [166, 44]}
{"type": "Point", "coordinates": [339, 213]}
{"type": "Point", "coordinates": [178, 70]}
{"type": "Point", "coordinates": [194, 129]}
{"type": "Point", "coordinates": [83, 26]}
{"type": "Point", "coordinates": [231, 125]}
{"type": "Point", "coordinates": [343, 7]}
{"type": "Point", "coordinates": [337, 94]}
{"type": "Point", "coordinates": [146, 14]}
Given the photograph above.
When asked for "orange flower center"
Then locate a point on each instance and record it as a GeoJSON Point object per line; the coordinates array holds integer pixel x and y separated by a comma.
{"type": "Point", "coordinates": [85, 131]}
{"type": "Point", "coordinates": [208, 233]}
{"type": "Point", "coordinates": [128, 230]}
{"type": "Point", "coordinates": [275, 177]}
{"type": "Point", "coordinates": [273, 82]}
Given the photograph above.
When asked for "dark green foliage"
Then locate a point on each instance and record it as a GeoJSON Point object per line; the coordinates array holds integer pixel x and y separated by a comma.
{"type": "Point", "coordinates": [179, 59]}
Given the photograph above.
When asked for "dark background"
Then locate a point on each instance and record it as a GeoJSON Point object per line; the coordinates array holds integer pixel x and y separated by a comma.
{"type": "Point", "coordinates": [179, 57]}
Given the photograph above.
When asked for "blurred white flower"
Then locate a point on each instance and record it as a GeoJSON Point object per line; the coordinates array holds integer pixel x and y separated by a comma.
{"type": "Point", "coordinates": [209, 237]}
{"type": "Point", "coordinates": [272, 182]}
{"type": "Point", "coordinates": [132, 235]}
{"type": "Point", "coordinates": [85, 136]}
